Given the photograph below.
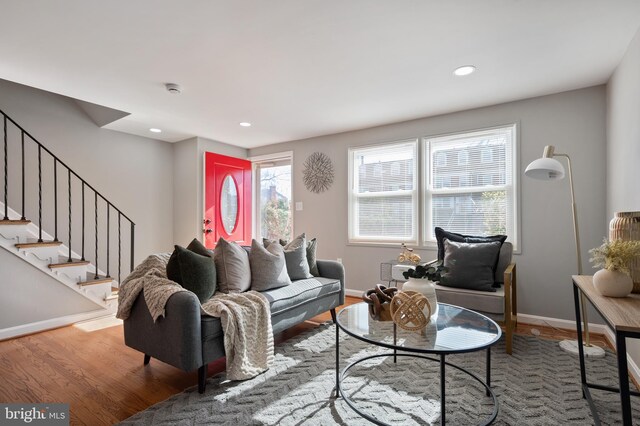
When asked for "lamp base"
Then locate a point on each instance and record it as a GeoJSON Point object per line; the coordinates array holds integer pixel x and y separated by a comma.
{"type": "Point", "coordinates": [592, 351]}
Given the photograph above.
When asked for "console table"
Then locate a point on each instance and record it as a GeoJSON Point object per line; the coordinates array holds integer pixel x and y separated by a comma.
{"type": "Point", "coordinates": [623, 317]}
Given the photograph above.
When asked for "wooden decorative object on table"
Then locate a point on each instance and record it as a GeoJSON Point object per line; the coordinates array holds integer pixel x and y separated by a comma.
{"type": "Point", "coordinates": [379, 300]}
{"type": "Point", "coordinates": [626, 226]}
{"type": "Point", "coordinates": [408, 255]}
{"type": "Point", "coordinates": [407, 310]}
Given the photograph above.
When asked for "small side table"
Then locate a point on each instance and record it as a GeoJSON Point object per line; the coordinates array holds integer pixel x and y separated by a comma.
{"type": "Point", "coordinates": [623, 317]}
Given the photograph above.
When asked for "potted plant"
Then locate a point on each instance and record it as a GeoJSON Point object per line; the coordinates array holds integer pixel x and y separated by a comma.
{"type": "Point", "coordinates": [423, 279]}
{"type": "Point", "coordinates": [614, 257]}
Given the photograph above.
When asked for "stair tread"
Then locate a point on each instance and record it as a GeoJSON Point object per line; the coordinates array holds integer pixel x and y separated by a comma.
{"type": "Point", "coordinates": [32, 244]}
{"type": "Point", "coordinates": [15, 222]}
{"type": "Point", "coordinates": [65, 264]}
{"type": "Point", "coordinates": [91, 280]}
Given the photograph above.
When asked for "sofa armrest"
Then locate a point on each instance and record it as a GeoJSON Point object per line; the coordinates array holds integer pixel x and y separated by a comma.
{"type": "Point", "coordinates": [335, 270]}
{"type": "Point", "coordinates": [175, 338]}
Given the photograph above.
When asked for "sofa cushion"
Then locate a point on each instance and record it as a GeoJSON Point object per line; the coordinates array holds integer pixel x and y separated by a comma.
{"type": "Point", "coordinates": [312, 246]}
{"type": "Point", "coordinates": [295, 253]}
{"type": "Point", "coordinates": [192, 271]}
{"type": "Point", "coordinates": [268, 267]}
{"type": "Point", "coordinates": [300, 292]}
{"type": "Point", "coordinates": [470, 265]}
{"type": "Point", "coordinates": [232, 263]}
{"type": "Point", "coordinates": [194, 246]}
{"type": "Point", "coordinates": [486, 302]}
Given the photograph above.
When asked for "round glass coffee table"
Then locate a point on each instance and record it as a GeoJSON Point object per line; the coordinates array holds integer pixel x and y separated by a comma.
{"type": "Point", "coordinates": [452, 330]}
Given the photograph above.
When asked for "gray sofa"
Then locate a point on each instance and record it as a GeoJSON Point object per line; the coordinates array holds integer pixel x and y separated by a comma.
{"type": "Point", "coordinates": [188, 340]}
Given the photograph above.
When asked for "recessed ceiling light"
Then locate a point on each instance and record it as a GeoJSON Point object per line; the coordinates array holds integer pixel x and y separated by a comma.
{"type": "Point", "coordinates": [154, 130]}
{"type": "Point", "coordinates": [245, 124]}
{"type": "Point", "coordinates": [464, 70]}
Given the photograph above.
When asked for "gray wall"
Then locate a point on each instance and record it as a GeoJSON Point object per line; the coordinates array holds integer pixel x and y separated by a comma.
{"type": "Point", "coordinates": [623, 144]}
{"type": "Point", "coordinates": [572, 121]}
{"type": "Point", "coordinates": [134, 173]}
{"type": "Point", "coordinates": [23, 286]}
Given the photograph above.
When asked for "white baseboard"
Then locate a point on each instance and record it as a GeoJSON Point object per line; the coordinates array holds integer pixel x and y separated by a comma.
{"type": "Point", "coordinates": [354, 293]}
{"type": "Point", "coordinates": [559, 323]}
{"type": "Point", "coordinates": [634, 370]}
{"type": "Point", "coordinates": [35, 327]}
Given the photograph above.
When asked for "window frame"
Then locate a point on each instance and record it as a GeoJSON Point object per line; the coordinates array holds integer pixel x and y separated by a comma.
{"type": "Point", "coordinates": [285, 156]}
{"type": "Point", "coordinates": [352, 197]}
{"type": "Point", "coordinates": [426, 193]}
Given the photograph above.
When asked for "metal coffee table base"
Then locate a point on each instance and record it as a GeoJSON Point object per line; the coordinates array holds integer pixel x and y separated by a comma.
{"type": "Point", "coordinates": [340, 377]}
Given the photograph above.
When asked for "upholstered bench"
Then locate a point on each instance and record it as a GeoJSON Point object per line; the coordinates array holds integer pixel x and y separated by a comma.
{"type": "Point", "coordinates": [500, 305]}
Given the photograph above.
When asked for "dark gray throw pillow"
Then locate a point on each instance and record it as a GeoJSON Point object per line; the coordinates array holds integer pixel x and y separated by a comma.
{"type": "Point", "coordinates": [268, 267]}
{"type": "Point", "coordinates": [197, 247]}
{"type": "Point", "coordinates": [173, 268]}
{"type": "Point", "coordinates": [470, 265]}
{"type": "Point", "coordinates": [295, 254]}
{"type": "Point", "coordinates": [232, 264]}
{"type": "Point", "coordinates": [192, 271]}
{"type": "Point", "coordinates": [441, 234]}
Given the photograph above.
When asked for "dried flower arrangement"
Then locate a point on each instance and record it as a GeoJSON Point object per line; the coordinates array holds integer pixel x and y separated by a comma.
{"type": "Point", "coordinates": [615, 255]}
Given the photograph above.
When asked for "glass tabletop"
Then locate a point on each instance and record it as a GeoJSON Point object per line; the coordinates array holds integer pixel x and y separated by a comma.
{"type": "Point", "coordinates": [452, 329]}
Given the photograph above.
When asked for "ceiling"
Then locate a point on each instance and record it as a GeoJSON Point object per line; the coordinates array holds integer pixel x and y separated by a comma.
{"type": "Point", "coordinates": [298, 69]}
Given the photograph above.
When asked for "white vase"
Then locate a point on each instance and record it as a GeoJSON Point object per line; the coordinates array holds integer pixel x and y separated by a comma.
{"type": "Point", "coordinates": [612, 283]}
{"type": "Point", "coordinates": [428, 289]}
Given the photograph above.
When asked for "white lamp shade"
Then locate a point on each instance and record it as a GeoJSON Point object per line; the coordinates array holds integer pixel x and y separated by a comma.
{"type": "Point", "coordinates": [545, 169]}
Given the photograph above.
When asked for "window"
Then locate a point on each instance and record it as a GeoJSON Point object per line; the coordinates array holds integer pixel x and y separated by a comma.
{"type": "Point", "coordinates": [273, 216]}
{"type": "Point", "coordinates": [463, 158]}
{"type": "Point", "coordinates": [383, 193]}
{"type": "Point", "coordinates": [484, 193]}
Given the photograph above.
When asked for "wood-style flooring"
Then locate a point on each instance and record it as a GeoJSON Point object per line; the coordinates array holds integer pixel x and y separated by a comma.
{"type": "Point", "coordinates": [105, 382]}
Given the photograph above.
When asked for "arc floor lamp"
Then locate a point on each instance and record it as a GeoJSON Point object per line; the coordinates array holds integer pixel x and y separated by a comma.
{"type": "Point", "coordinates": [548, 168]}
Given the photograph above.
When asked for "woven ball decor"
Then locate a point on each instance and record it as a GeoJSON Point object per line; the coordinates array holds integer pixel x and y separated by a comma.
{"type": "Point", "coordinates": [406, 310]}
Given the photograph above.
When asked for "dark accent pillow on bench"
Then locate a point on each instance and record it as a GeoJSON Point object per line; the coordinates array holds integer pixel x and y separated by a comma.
{"type": "Point", "coordinates": [470, 265]}
{"type": "Point", "coordinates": [441, 234]}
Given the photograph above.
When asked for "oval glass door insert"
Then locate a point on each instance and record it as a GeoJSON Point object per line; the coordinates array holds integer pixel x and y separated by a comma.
{"type": "Point", "coordinates": [229, 204]}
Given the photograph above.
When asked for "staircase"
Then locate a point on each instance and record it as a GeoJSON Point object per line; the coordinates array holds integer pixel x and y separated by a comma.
{"type": "Point", "coordinates": [86, 250]}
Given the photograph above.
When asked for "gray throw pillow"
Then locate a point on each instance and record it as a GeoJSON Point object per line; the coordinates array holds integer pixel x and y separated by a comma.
{"type": "Point", "coordinates": [470, 265]}
{"type": "Point", "coordinates": [192, 271]}
{"type": "Point", "coordinates": [311, 257]}
{"type": "Point", "coordinates": [232, 263]}
{"type": "Point", "coordinates": [312, 246]}
{"type": "Point", "coordinates": [268, 267]}
{"type": "Point", "coordinates": [295, 254]}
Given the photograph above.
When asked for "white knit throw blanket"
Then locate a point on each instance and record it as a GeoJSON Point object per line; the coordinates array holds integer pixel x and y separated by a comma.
{"type": "Point", "coordinates": [245, 317]}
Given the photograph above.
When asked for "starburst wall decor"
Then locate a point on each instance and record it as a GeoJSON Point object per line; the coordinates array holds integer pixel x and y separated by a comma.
{"type": "Point", "coordinates": [318, 172]}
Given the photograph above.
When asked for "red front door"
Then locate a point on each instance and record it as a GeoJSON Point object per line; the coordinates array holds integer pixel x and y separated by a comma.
{"type": "Point", "coordinates": [227, 199]}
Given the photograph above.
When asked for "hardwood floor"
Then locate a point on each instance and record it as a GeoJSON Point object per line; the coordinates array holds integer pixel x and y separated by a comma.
{"type": "Point", "coordinates": [105, 382]}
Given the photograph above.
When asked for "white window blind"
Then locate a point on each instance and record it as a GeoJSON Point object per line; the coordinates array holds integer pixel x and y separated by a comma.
{"type": "Point", "coordinates": [383, 193]}
{"type": "Point", "coordinates": [475, 196]}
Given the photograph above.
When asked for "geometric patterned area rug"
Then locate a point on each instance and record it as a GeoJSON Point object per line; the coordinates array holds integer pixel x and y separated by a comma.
{"type": "Point", "coordinates": [538, 385]}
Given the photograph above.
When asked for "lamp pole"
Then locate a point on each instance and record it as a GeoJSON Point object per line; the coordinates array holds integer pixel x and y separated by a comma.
{"type": "Point", "coordinates": [576, 233]}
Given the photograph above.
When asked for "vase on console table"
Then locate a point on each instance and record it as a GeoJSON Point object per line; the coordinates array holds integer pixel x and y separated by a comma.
{"type": "Point", "coordinates": [612, 283]}
{"type": "Point", "coordinates": [426, 288]}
